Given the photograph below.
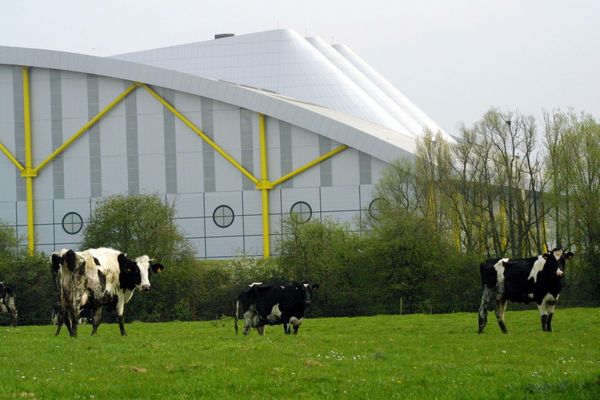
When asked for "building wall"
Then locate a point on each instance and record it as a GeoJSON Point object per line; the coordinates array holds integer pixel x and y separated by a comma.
{"type": "Point", "coordinates": [140, 147]}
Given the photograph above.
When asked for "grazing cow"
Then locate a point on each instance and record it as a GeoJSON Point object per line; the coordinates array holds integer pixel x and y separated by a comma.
{"type": "Point", "coordinates": [273, 304]}
{"type": "Point", "coordinates": [536, 279]}
{"type": "Point", "coordinates": [112, 281]}
{"type": "Point", "coordinates": [69, 270]}
{"type": "Point", "coordinates": [7, 301]}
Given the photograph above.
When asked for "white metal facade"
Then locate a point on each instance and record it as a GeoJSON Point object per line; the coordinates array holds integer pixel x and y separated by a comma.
{"type": "Point", "coordinates": [141, 147]}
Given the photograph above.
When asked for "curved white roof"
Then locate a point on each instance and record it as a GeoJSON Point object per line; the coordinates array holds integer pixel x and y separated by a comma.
{"type": "Point", "coordinates": [284, 62]}
{"type": "Point", "coordinates": [375, 140]}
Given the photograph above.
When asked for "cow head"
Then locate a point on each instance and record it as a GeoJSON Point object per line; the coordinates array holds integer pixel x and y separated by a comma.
{"type": "Point", "coordinates": [308, 289]}
{"type": "Point", "coordinates": [137, 272]}
{"type": "Point", "coordinates": [556, 262]}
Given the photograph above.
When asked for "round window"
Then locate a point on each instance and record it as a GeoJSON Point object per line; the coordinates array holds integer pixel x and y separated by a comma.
{"type": "Point", "coordinates": [376, 206]}
{"type": "Point", "coordinates": [223, 216]}
{"type": "Point", "coordinates": [72, 223]}
{"type": "Point", "coordinates": [301, 212]}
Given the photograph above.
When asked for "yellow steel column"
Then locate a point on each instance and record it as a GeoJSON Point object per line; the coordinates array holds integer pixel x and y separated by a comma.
{"type": "Point", "coordinates": [264, 185]}
{"type": "Point", "coordinates": [28, 173]}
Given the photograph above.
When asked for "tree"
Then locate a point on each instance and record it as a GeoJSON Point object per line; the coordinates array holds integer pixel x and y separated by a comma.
{"type": "Point", "coordinates": [136, 225]}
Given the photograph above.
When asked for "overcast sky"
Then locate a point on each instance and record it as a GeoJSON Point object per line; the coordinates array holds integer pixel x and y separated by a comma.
{"type": "Point", "coordinates": [453, 58]}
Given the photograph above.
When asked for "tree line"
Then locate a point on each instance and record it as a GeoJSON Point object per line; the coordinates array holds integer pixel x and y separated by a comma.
{"type": "Point", "coordinates": [506, 188]}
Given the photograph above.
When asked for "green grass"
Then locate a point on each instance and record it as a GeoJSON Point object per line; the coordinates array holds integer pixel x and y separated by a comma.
{"type": "Point", "coordinates": [381, 357]}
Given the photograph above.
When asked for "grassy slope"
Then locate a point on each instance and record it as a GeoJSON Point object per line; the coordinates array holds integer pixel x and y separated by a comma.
{"type": "Point", "coordinates": [382, 357]}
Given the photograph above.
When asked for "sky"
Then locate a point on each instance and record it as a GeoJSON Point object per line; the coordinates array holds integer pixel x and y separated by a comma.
{"type": "Point", "coordinates": [455, 59]}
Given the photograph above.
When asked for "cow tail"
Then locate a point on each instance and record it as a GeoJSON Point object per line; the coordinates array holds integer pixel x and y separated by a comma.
{"type": "Point", "coordinates": [237, 309]}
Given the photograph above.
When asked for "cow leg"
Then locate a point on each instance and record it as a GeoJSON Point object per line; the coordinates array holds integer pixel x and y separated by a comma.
{"type": "Point", "coordinates": [121, 325]}
{"type": "Point", "coordinates": [286, 329]}
{"type": "Point", "coordinates": [71, 321]}
{"type": "Point", "coordinates": [60, 320]}
{"type": "Point", "coordinates": [543, 315]}
{"type": "Point", "coordinates": [120, 311]}
{"type": "Point", "coordinates": [487, 299]}
{"type": "Point", "coordinates": [500, 311]}
{"type": "Point", "coordinates": [550, 307]}
{"type": "Point", "coordinates": [261, 329]}
{"type": "Point", "coordinates": [296, 323]}
{"type": "Point", "coordinates": [248, 319]}
{"type": "Point", "coordinates": [97, 318]}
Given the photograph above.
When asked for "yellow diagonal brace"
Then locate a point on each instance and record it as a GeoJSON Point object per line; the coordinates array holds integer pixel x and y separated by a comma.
{"type": "Point", "coordinates": [87, 126]}
{"type": "Point", "coordinates": [11, 157]}
{"type": "Point", "coordinates": [264, 178]}
{"type": "Point", "coordinates": [310, 165]}
{"type": "Point", "coordinates": [202, 135]}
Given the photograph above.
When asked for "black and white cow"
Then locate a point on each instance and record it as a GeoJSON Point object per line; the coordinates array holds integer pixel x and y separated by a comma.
{"type": "Point", "coordinates": [272, 304]}
{"type": "Point", "coordinates": [538, 279]}
{"type": "Point", "coordinates": [112, 282]}
{"type": "Point", "coordinates": [69, 270]}
{"type": "Point", "coordinates": [7, 301]}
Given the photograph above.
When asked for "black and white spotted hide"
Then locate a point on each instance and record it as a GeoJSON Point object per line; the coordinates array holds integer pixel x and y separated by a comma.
{"type": "Point", "coordinates": [8, 301]}
{"type": "Point", "coordinates": [538, 279]}
{"type": "Point", "coordinates": [274, 304]}
{"type": "Point", "coordinates": [69, 272]}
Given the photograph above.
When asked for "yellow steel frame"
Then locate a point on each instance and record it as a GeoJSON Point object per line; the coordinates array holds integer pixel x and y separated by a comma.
{"type": "Point", "coordinates": [28, 172]}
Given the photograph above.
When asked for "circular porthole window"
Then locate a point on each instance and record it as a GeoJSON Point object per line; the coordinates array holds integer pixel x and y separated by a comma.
{"type": "Point", "coordinates": [300, 212]}
{"type": "Point", "coordinates": [376, 206]}
{"type": "Point", "coordinates": [72, 223]}
{"type": "Point", "coordinates": [223, 216]}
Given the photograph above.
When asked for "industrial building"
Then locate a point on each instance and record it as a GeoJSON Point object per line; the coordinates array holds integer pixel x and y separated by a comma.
{"type": "Point", "coordinates": [237, 132]}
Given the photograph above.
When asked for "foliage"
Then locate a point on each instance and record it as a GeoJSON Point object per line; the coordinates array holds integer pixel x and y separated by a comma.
{"type": "Point", "coordinates": [381, 357]}
{"type": "Point", "coordinates": [8, 241]}
{"type": "Point", "coordinates": [136, 225]}
{"type": "Point", "coordinates": [35, 290]}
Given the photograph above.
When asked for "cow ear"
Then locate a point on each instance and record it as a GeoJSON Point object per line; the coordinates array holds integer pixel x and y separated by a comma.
{"type": "Point", "coordinates": [545, 256]}
{"type": "Point", "coordinates": [123, 262]}
{"type": "Point", "coordinates": [569, 255]}
{"type": "Point", "coordinates": [71, 259]}
{"type": "Point", "coordinates": [56, 260]}
{"type": "Point", "coordinates": [157, 267]}
{"type": "Point", "coordinates": [315, 286]}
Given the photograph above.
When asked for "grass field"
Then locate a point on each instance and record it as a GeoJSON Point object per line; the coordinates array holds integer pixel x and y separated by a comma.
{"type": "Point", "coordinates": [382, 357]}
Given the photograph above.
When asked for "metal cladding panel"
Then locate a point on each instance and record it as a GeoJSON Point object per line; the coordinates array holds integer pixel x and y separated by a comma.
{"type": "Point", "coordinates": [308, 195]}
{"type": "Point", "coordinates": [378, 168]}
{"type": "Point", "coordinates": [227, 177]}
{"type": "Point", "coordinates": [187, 205]}
{"type": "Point", "coordinates": [224, 247]}
{"type": "Point", "coordinates": [199, 245]}
{"type": "Point", "coordinates": [345, 168]}
{"type": "Point", "coordinates": [367, 194]}
{"type": "Point", "coordinates": [8, 212]}
{"type": "Point", "coordinates": [226, 128]}
{"type": "Point", "coordinates": [152, 173]}
{"type": "Point", "coordinates": [273, 149]}
{"type": "Point", "coordinates": [61, 208]}
{"type": "Point", "coordinates": [77, 174]}
{"type": "Point", "coordinates": [232, 200]}
{"type": "Point", "coordinates": [108, 90]}
{"type": "Point", "coordinates": [191, 227]}
{"type": "Point", "coordinates": [253, 202]}
{"type": "Point", "coordinates": [341, 198]}
{"type": "Point", "coordinates": [8, 175]}
{"type": "Point", "coordinates": [74, 96]}
{"type": "Point", "coordinates": [189, 172]}
{"type": "Point", "coordinates": [253, 246]}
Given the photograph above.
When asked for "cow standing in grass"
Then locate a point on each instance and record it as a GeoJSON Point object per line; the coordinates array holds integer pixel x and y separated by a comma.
{"type": "Point", "coordinates": [538, 279]}
{"type": "Point", "coordinates": [273, 304]}
{"type": "Point", "coordinates": [112, 282]}
{"type": "Point", "coordinates": [70, 272]}
{"type": "Point", "coordinates": [7, 301]}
